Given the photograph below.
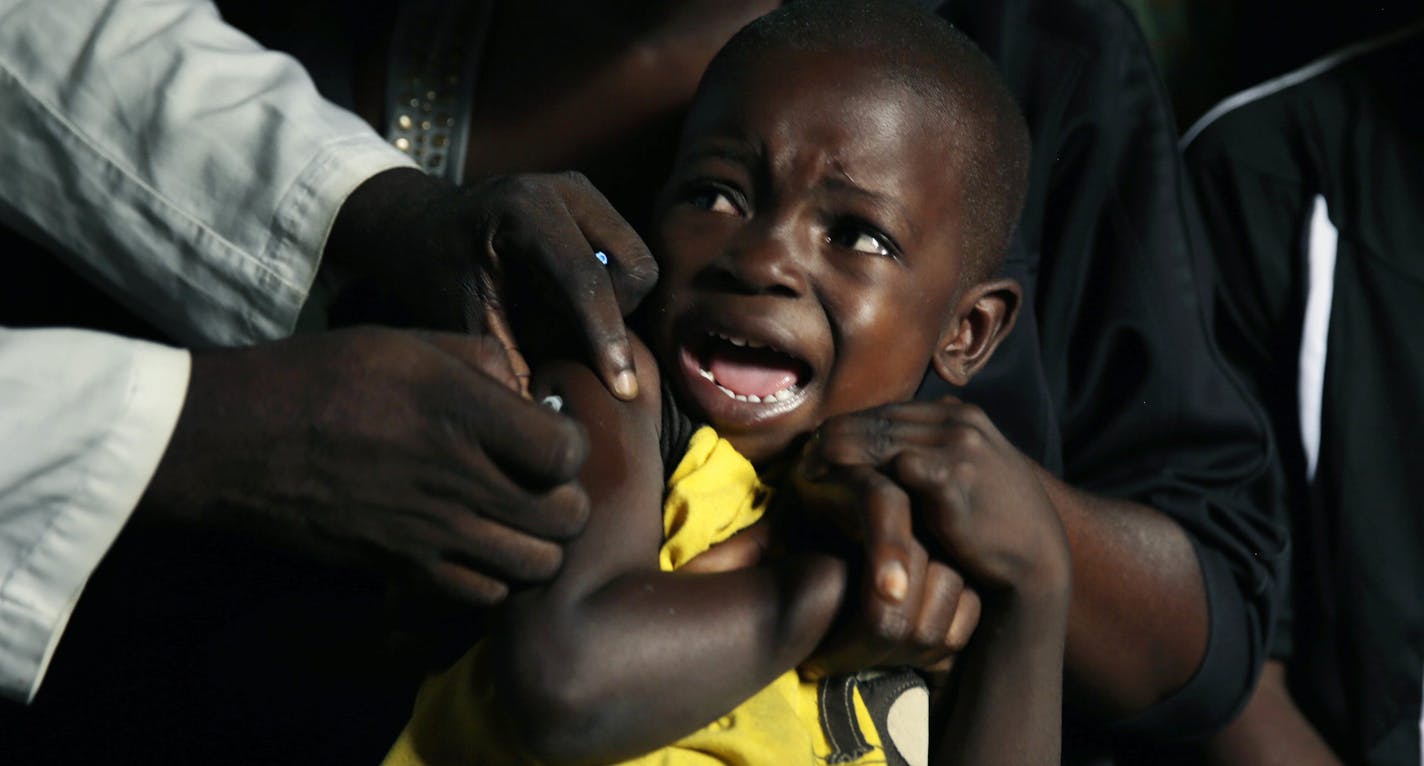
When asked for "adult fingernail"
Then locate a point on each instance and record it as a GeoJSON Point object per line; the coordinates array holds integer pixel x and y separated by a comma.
{"type": "Point", "coordinates": [625, 385]}
{"type": "Point", "coordinates": [893, 581]}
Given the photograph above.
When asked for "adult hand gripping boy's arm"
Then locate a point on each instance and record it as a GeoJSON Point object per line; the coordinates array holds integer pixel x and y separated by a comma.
{"type": "Point", "coordinates": [455, 258]}
{"type": "Point", "coordinates": [408, 452]}
{"type": "Point", "coordinates": [1125, 555]}
{"type": "Point", "coordinates": [977, 504]}
{"type": "Point", "coordinates": [920, 615]}
{"type": "Point", "coordinates": [906, 607]}
{"type": "Point", "coordinates": [413, 453]}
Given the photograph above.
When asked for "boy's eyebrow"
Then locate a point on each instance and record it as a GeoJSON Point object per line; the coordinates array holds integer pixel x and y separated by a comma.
{"type": "Point", "coordinates": [723, 149]}
{"type": "Point", "coordinates": [842, 183]}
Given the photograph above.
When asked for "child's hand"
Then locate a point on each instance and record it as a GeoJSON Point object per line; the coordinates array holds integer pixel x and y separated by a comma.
{"type": "Point", "coordinates": [910, 609]}
{"type": "Point", "coordinates": [975, 498]}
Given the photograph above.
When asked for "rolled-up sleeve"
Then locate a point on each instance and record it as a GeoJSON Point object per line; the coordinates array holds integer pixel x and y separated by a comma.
{"type": "Point", "coordinates": [1151, 410]}
{"type": "Point", "coordinates": [84, 422]}
{"type": "Point", "coordinates": [190, 172]}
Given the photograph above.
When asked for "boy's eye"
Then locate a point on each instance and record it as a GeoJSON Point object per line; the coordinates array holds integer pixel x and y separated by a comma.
{"type": "Point", "coordinates": [713, 200]}
{"type": "Point", "coordinates": [861, 239]}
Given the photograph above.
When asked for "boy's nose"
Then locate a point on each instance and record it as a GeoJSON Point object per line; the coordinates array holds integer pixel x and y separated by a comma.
{"type": "Point", "coordinates": [766, 262]}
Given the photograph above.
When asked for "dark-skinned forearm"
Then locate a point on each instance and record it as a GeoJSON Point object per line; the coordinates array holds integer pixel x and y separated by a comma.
{"type": "Point", "coordinates": [1270, 731]}
{"type": "Point", "coordinates": [651, 656]}
{"type": "Point", "coordinates": [1139, 621]}
{"type": "Point", "coordinates": [1007, 706]}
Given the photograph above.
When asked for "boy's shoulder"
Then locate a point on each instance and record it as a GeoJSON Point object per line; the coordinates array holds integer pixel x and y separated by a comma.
{"type": "Point", "coordinates": [584, 397]}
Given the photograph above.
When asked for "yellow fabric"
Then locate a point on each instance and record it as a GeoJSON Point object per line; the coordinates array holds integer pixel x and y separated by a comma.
{"type": "Point", "coordinates": [713, 494]}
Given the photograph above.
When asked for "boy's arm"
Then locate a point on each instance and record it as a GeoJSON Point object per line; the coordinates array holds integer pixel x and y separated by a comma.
{"type": "Point", "coordinates": [616, 658]}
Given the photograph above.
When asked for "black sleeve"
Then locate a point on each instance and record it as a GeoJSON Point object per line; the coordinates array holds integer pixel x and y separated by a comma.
{"type": "Point", "coordinates": [1150, 410]}
{"type": "Point", "coordinates": [1147, 409]}
{"type": "Point", "coordinates": [1255, 207]}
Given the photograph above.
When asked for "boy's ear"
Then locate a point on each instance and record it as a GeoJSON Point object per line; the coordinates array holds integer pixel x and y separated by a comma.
{"type": "Point", "coordinates": [985, 314]}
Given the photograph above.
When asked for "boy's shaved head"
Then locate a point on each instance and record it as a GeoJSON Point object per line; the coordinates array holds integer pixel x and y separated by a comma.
{"type": "Point", "coordinates": [936, 62]}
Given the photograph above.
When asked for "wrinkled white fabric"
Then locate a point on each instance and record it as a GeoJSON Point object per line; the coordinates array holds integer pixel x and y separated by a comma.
{"type": "Point", "coordinates": [84, 420]}
{"type": "Point", "coordinates": [151, 128]}
{"type": "Point", "coordinates": [195, 176]}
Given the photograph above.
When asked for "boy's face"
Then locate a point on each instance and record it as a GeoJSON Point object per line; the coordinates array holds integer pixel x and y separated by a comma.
{"type": "Point", "coordinates": [809, 247]}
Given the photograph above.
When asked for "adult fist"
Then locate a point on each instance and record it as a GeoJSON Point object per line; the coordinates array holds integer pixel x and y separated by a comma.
{"type": "Point", "coordinates": [977, 499]}
{"type": "Point", "coordinates": [908, 608]}
{"type": "Point", "coordinates": [406, 452]}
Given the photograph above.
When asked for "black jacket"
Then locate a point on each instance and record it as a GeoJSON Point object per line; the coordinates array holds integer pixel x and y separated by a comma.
{"type": "Point", "coordinates": [1344, 137]}
{"type": "Point", "coordinates": [1111, 379]}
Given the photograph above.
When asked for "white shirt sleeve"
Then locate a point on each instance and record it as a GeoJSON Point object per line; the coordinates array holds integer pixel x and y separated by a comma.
{"type": "Point", "coordinates": [191, 172]}
{"type": "Point", "coordinates": [86, 418]}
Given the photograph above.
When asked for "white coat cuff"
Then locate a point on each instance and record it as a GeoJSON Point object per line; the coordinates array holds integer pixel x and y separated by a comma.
{"type": "Point", "coordinates": [61, 516]}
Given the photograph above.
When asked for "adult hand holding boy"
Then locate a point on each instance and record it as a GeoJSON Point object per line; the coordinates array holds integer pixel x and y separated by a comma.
{"type": "Point", "coordinates": [451, 258]}
{"type": "Point", "coordinates": [392, 450]}
{"type": "Point", "coordinates": [973, 496]}
{"type": "Point", "coordinates": [907, 607]}
{"type": "Point", "coordinates": [414, 453]}
{"type": "Point", "coordinates": [943, 472]}
{"type": "Point", "coordinates": [924, 620]}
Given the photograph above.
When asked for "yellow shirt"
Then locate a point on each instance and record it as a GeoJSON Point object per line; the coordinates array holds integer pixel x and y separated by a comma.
{"type": "Point", "coordinates": [713, 494]}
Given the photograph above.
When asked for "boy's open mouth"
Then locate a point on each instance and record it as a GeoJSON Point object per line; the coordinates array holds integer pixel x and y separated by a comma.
{"type": "Point", "coordinates": [746, 370]}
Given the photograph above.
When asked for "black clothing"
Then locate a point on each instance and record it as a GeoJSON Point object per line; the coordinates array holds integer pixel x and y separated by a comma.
{"type": "Point", "coordinates": [1111, 378]}
{"type": "Point", "coordinates": [1349, 131]}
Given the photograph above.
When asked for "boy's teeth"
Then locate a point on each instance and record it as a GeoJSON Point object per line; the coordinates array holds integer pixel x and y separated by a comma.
{"type": "Point", "coordinates": [735, 341]}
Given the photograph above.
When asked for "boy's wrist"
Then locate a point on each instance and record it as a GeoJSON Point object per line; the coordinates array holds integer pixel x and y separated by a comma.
{"type": "Point", "coordinates": [1022, 616]}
